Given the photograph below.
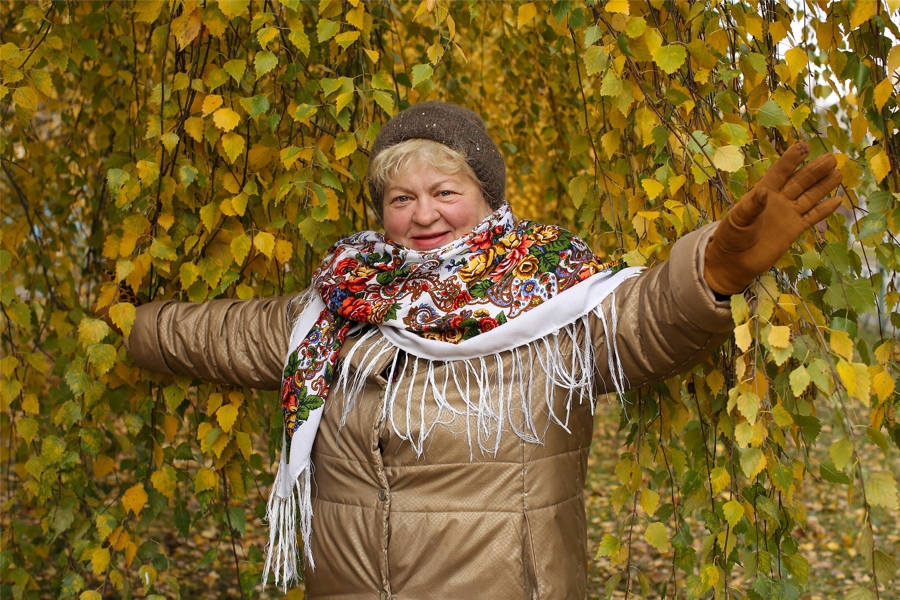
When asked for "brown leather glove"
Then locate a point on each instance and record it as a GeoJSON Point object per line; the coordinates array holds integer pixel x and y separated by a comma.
{"type": "Point", "coordinates": [764, 224]}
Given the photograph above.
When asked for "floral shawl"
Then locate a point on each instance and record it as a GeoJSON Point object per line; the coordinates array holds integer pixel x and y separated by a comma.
{"type": "Point", "coordinates": [469, 299]}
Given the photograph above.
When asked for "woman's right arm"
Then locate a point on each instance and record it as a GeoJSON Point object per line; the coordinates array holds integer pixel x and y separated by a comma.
{"type": "Point", "coordinates": [239, 342]}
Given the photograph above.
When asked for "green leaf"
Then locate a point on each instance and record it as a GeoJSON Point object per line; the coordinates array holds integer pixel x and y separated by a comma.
{"type": "Point", "coordinates": [344, 145]}
{"type": "Point", "coordinates": [236, 69]}
{"type": "Point", "coordinates": [67, 415]}
{"type": "Point", "coordinates": [595, 60]}
{"type": "Point", "coordinates": [772, 115]}
{"type": "Point", "coordinates": [420, 73]}
{"type": "Point", "coordinates": [753, 461]}
{"type": "Point", "coordinates": [325, 29]}
{"type": "Point", "coordinates": [385, 101]}
{"type": "Point", "coordinates": [728, 158]}
{"type": "Point", "coordinates": [264, 62]}
{"type": "Point", "coordinates": [885, 567]}
{"type": "Point", "coordinates": [841, 451]}
{"type": "Point", "coordinates": [656, 536]}
{"type": "Point", "coordinates": [255, 105]}
{"type": "Point", "coordinates": [733, 511]}
{"type": "Point", "coordinates": [670, 58]}
{"type": "Point", "coordinates": [881, 490]}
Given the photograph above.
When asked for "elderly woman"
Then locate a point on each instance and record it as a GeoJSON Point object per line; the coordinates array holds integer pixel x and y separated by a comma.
{"type": "Point", "coordinates": [438, 379]}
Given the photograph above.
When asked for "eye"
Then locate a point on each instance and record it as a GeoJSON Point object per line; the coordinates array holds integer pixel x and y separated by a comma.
{"type": "Point", "coordinates": [445, 193]}
{"type": "Point", "coordinates": [401, 200]}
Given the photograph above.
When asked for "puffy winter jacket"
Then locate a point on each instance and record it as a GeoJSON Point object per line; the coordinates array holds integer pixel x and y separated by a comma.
{"type": "Point", "coordinates": [455, 521]}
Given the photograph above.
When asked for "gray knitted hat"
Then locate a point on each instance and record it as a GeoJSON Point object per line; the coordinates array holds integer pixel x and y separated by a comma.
{"type": "Point", "coordinates": [456, 127]}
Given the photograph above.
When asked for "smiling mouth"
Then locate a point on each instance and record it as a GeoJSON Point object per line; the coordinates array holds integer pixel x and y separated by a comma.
{"type": "Point", "coordinates": [429, 240]}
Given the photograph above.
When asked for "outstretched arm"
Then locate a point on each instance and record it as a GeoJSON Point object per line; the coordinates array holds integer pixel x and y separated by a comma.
{"type": "Point", "coordinates": [242, 343]}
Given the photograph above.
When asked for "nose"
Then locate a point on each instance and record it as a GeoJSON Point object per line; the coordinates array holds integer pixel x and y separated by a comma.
{"type": "Point", "coordinates": [425, 212]}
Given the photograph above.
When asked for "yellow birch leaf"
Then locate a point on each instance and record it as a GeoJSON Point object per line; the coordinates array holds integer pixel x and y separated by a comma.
{"type": "Point", "coordinates": [893, 59]}
{"type": "Point", "coordinates": [883, 92]}
{"type": "Point", "coordinates": [206, 479]}
{"type": "Point", "coordinates": [219, 445]}
{"type": "Point", "coordinates": [719, 478]}
{"type": "Point", "coordinates": [859, 126]}
{"type": "Point", "coordinates": [26, 97]}
{"type": "Point", "coordinates": [226, 415]}
{"type": "Point", "coordinates": [611, 142]}
{"type": "Point", "coordinates": [346, 39]}
{"type": "Point", "coordinates": [31, 405]}
{"type": "Point", "coordinates": [233, 8]}
{"type": "Point", "coordinates": [170, 427]}
{"type": "Point", "coordinates": [210, 104]}
{"type": "Point", "coordinates": [212, 405]}
{"type": "Point", "coordinates": [99, 561]}
{"type": "Point", "coordinates": [882, 383]}
{"type": "Point", "coordinates": [130, 552]}
{"type": "Point", "coordinates": [733, 511]}
{"type": "Point", "coordinates": [265, 243]}
{"type": "Point", "coordinates": [103, 466]}
{"type": "Point", "coordinates": [244, 444]}
{"type": "Point", "coordinates": [675, 184]}
{"type": "Point", "coordinates": [226, 119]}
{"type": "Point", "coordinates": [841, 452]}
{"type": "Point", "coordinates": [194, 128]}
{"type": "Point", "coordinates": [240, 248]}
{"type": "Point", "coordinates": [526, 14]}
{"type": "Point", "coordinates": [284, 250]}
{"type": "Point", "coordinates": [841, 343]}
{"type": "Point", "coordinates": [372, 54]}
{"type": "Point", "coordinates": [244, 291]}
{"type": "Point", "coordinates": [797, 60]}
{"type": "Point", "coordinates": [123, 314]}
{"type": "Point", "coordinates": [134, 499]}
{"type": "Point", "coordinates": [618, 6]}
{"type": "Point", "coordinates": [239, 203]}
{"type": "Point", "coordinates": [266, 35]}
{"type": "Point", "coordinates": [669, 58]}
{"type": "Point", "coordinates": [753, 461]}
{"type": "Point", "coordinates": [91, 331]}
{"type": "Point", "coordinates": [742, 336]}
{"type": "Point", "coordinates": [782, 417]}
{"type": "Point", "coordinates": [652, 187]}
{"type": "Point", "coordinates": [863, 385]}
{"type": "Point", "coordinates": [862, 12]}
{"type": "Point", "coordinates": [881, 490]}
{"type": "Point", "coordinates": [847, 374]}
{"type": "Point", "coordinates": [233, 145]}
{"type": "Point", "coordinates": [186, 27]}
{"type": "Point", "coordinates": [148, 171]}
{"type": "Point", "coordinates": [344, 145]}
{"type": "Point", "coordinates": [780, 336]}
{"type": "Point", "coordinates": [164, 480]}
{"type": "Point", "coordinates": [656, 535]}
{"type": "Point", "coordinates": [649, 501]}
{"type": "Point", "coordinates": [728, 158]}
{"type": "Point", "coordinates": [880, 165]}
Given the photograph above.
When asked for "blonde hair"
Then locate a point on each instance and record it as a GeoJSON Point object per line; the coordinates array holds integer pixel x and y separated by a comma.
{"type": "Point", "coordinates": [415, 152]}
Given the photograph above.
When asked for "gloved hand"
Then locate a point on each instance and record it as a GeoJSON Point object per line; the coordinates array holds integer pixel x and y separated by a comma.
{"type": "Point", "coordinates": [769, 218]}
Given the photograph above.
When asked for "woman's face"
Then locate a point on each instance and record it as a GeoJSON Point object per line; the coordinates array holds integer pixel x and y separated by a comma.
{"type": "Point", "coordinates": [425, 209]}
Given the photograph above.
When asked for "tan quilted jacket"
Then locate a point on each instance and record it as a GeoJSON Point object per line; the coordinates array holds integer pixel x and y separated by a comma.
{"type": "Point", "coordinates": [449, 524]}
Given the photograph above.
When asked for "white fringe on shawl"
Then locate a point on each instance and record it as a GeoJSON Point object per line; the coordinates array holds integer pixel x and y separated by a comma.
{"type": "Point", "coordinates": [473, 371]}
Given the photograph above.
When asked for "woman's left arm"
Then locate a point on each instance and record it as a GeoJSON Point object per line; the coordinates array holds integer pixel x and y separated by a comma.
{"type": "Point", "coordinates": [669, 318]}
{"type": "Point", "coordinates": [666, 320]}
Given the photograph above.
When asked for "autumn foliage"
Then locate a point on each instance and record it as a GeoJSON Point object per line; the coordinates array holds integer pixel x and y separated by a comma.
{"type": "Point", "coordinates": [204, 149]}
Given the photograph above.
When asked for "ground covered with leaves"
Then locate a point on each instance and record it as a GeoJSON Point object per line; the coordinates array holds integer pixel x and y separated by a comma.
{"type": "Point", "coordinates": [830, 539]}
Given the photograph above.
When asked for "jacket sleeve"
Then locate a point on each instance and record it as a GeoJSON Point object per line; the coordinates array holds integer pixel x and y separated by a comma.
{"type": "Point", "coordinates": [241, 343]}
{"type": "Point", "coordinates": [666, 319]}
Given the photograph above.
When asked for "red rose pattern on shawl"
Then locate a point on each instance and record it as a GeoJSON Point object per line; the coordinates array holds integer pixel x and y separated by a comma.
{"type": "Point", "coordinates": [499, 271]}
